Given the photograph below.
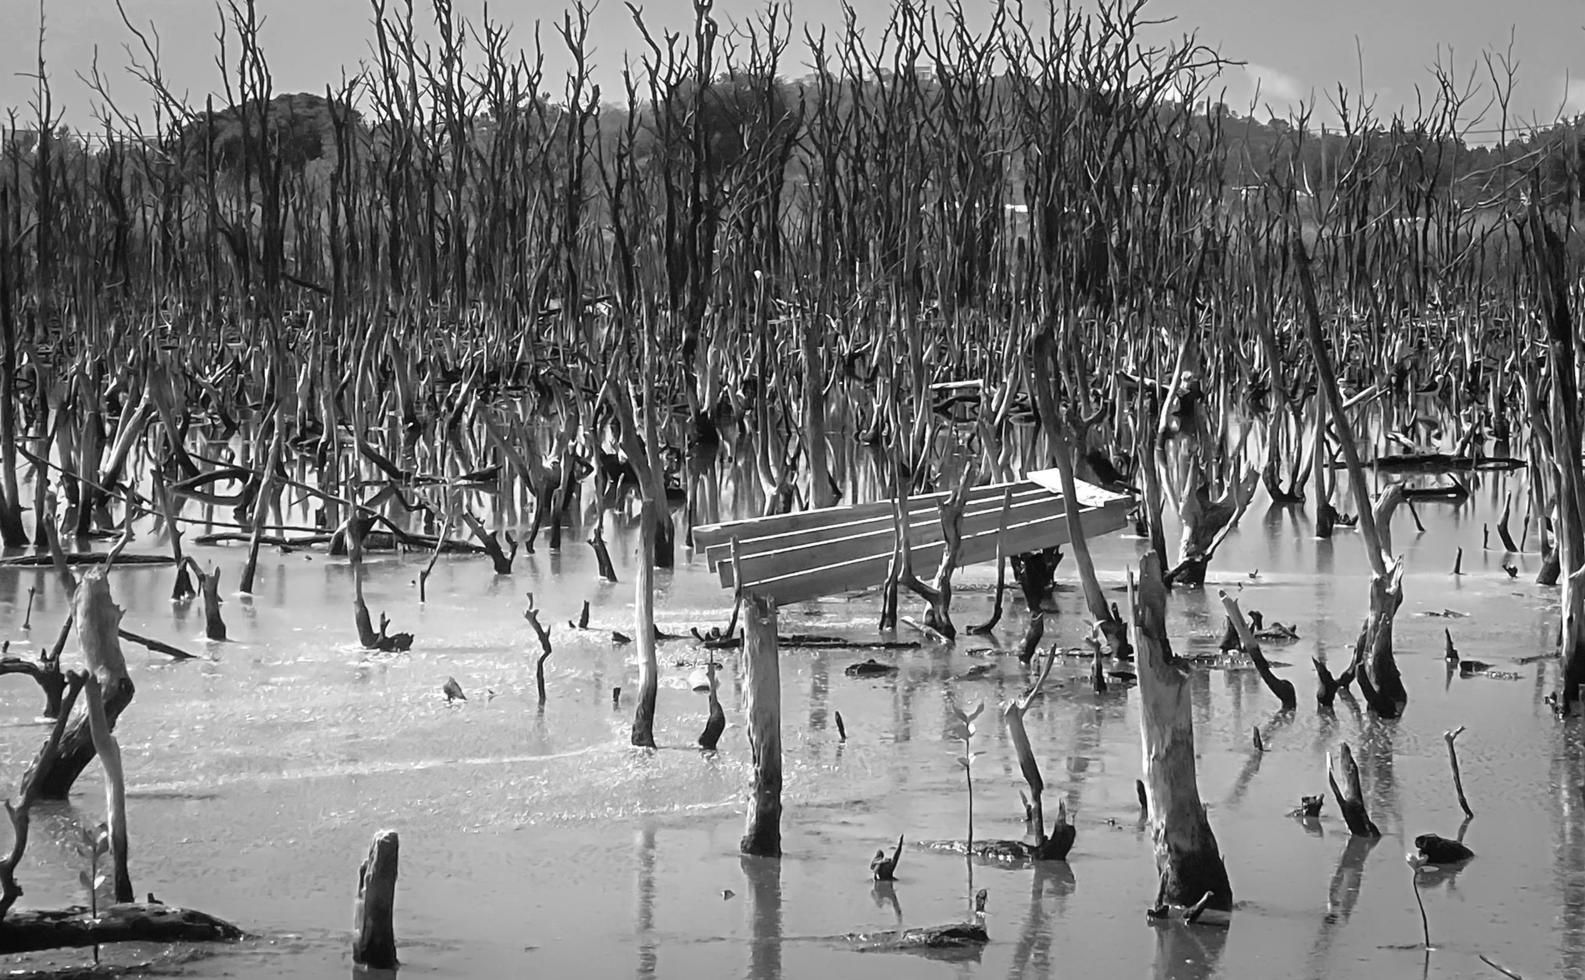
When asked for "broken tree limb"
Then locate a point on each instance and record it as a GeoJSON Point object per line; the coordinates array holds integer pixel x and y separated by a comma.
{"type": "Point", "coordinates": [1056, 847]}
{"type": "Point", "coordinates": [762, 694]}
{"type": "Point", "coordinates": [434, 556]}
{"type": "Point", "coordinates": [46, 673]}
{"type": "Point", "coordinates": [158, 646]}
{"type": "Point", "coordinates": [1350, 798]}
{"type": "Point", "coordinates": [984, 629]}
{"type": "Point", "coordinates": [1251, 646]}
{"type": "Point", "coordinates": [115, 786]}
{"type": "Point", "coordinates": [374, 932]}
{"type": "Point", "coordinates": [1187, 857]}
{"type": "Point", "coordinates": [543, 635]}
{"type": "Point", "coordinates": [29, 793]}
{"type": "Point", "coordinates": [1452, 758]}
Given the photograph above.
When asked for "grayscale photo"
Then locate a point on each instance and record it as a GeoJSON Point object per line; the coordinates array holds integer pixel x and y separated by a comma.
{"type": "Point", "coordinates": [761, 489]}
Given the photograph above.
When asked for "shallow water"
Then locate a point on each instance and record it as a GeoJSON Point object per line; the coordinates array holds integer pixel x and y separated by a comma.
{"type": "Point", "coordinates": [540, 843]}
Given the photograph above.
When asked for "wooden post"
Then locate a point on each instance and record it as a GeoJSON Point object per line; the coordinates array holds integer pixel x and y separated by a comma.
{"type": "Point", "coordinates": [762, 686]}
{"type": "Point", "coordinates": [1187, 857]}
{"type": "Point", "coordinates": [374, 936]}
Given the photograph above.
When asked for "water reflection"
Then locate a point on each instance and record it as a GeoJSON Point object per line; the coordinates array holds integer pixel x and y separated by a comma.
{"type": "Point", "coordinates": [1188, 952]}
{"type": "Point", "coordinates": [644, 902]}
{"type": "Point", "coordinates": [1051, 882]}
{"type": "Point", "coordinates": [763, 878]}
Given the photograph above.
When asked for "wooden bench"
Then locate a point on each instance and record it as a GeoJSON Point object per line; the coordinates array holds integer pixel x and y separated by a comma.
{"type": "Point", "coordinates": [802, 556]}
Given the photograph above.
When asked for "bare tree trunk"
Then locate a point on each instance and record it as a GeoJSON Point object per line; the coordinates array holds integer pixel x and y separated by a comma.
{"type": "Point", "coordinates": [1187, 856]}
{"type": "Point", "coordinates": [644, 625]}
{"type": "Point", "coordinates": [762, 689]}
{"type": "Point", "coordinates": [1564, 407]}
{"type": "Point", "coordinates": [1386, 582]}
{"type": "Point", "coordinates": [821, 493]}
{"type": "Point", "coordinates": [1043, 383]}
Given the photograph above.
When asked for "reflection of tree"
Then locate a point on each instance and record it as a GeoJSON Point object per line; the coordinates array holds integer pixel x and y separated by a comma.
{"type": "Point", "coordinates": [1188, 952]}
{"type": "Point", "coordinates": [763, 876]}
{"type": "Point", "coordinates": [1376, 759]}
{"type": "Point", "coordinates": [1032, 956]}
{"type": "Point", "coordinates": [644, 893]}
{"type": "Point", "coordinates": [1235, 796]}
{"type": "Point", "coordinates": [1568, 814]}
{"type": "Point", "coordinates": [1342, 895]}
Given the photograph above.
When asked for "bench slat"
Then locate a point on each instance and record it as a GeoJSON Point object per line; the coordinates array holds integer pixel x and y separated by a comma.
{"type": "Point", "coordinates": [711, 535]}
{"type": "Point", "coordinates": [876, 538]}
{"type": "Point", "coordinates": [921, 517]}
{"type": "Point", "coordinates": [869, 571]}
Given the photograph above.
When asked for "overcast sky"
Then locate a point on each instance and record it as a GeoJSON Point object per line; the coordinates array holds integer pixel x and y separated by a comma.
{"type": "Point", "coordinates": [1296, 49]}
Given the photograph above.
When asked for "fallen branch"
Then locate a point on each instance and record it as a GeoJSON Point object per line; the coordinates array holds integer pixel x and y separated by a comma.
{"type": "Point", "coordinates": [30, 930]}
{"type": "Point", "coordinates": [1452, 758]}
{"type": "Point", "coordinates": [1251, 646]}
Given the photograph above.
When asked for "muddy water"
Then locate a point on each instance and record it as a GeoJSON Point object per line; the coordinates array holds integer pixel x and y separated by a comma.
{"type": "Point", "coordinates": [538, 843]}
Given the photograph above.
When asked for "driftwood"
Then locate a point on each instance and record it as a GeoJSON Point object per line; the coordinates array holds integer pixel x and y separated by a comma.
{"type": "Point", "coordinates": [1350, 798]}
{"type": "Point", "coordinates": [30, 930]}
{"type": "Point", "coordinates": [84, 558]}
{"type": "Point", "coordinates": [374, 933]}
{"type": "Point", "coordinates": [1187, 856]}
{"type": "Point", "coordinates": [960, 938]}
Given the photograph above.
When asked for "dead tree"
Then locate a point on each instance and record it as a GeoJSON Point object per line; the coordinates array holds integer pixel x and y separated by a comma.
{"type": "Point", "coordinates": [937, 593]}
{"type": "Point", "coordinates": [1042, 381]}
{"type": "Point", "coordinates": [20, 812]}
{"type": "Point", "coordinates": [1374, 654]}
{"type": "Point", "coordinates": [1563, 408]}
{"type": "Point", "coordinates": [97, 617]}
{"type": "Point", "coordinates": [1056, 847]}
{"type": "Point", "coordinates": [1187, 856]}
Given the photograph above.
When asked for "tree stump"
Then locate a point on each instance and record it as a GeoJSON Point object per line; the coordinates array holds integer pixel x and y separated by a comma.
{"type": "Point", "coordinates": [1187, 856]}
{"type": "Point", "coordinates": [374, 935]}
